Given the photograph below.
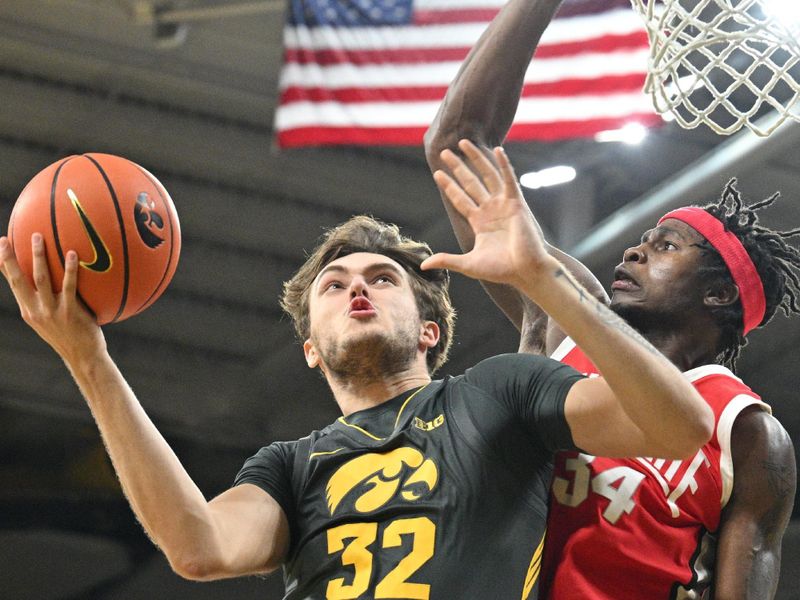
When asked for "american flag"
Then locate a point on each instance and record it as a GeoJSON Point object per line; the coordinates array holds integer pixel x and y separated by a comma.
{"type": "Point", "coordinates": [375, 71]}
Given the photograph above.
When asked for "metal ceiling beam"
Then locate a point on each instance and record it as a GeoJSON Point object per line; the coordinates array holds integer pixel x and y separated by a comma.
{"type": "Point", "coordinates": [236, 9]}
{"type": "Point", "coordinates": [701, 180]}
{"type": "Point", "coordinates": [149, 12]}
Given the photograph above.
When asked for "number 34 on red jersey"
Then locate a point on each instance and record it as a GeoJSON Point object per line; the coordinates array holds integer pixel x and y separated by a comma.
{"type": "Point", "coordinates": [618, 483]}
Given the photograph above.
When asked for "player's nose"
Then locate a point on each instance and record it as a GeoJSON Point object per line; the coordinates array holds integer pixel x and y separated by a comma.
{"type": "Point", "coordinates": [634, 254]}
{"type": "Point", "coordinates": [358, 287]}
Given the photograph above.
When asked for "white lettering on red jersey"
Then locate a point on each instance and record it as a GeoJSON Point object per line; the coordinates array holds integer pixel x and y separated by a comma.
{"type": "Point", "coordinates": [642, 528]}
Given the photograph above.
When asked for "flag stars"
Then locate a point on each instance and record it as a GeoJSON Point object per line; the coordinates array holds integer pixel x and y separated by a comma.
{"type": "Point", "coordinates": [351, 13]}
{"type": "Point", "coordinates": [374, 86]}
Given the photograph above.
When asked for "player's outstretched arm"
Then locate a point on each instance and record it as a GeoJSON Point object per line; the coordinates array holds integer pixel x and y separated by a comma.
{"type": "Point", "coordinates": [201, 540]}
{"type": "Point", "coordinates": [480, 105]}
{"type": "Point", "coordinates": [757, 514]}
{"type": "Point", "coordinates": [482, 99]}
{"type": "Point", "coordinates": [642, 406]}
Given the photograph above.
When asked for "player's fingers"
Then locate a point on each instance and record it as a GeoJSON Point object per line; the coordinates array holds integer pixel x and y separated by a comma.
{"type": "Point", "coordinates": [3, 245]}
{"type": "Point", "coordinates": [69, 285]}
{"type": "Point", "coordinates": [3, 269]}
{"type": "Point", "coordinates": [442, 260]}
{"type": "Point", "coordinates": [454, 193]}
{"type": "Point", "coordinates": [17, 281]}
{"type": "Point", "coordinates": [466, 178]}
{"type": "Point", "coordinates": [41, 272]}
{"type": "Point", "coordinates": [506, 169]}
{"type": "Point", "coordinates": [483, 165]}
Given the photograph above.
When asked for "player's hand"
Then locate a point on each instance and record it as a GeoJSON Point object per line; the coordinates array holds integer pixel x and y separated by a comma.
{"type": "Point", "coordinates": [508, 244]}
{"type": "Point", "coordinates": [58, 318]}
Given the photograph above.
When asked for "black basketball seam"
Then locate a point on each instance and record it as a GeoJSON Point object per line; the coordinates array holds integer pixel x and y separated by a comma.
{"type": "Point", "coordinates": [121, 223]}
{"type": "Point", "coordinates": [54, 225]}
{"type": "Point", "coordinates": [171, 236]}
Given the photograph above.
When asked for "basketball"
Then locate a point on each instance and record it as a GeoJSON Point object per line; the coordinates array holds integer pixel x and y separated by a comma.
{"type": "Point", "coordinates": [118, 218]}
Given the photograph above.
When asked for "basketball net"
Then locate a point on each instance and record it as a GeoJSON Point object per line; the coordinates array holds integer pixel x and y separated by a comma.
{"type": "Point", "coordinates": [721, 62]}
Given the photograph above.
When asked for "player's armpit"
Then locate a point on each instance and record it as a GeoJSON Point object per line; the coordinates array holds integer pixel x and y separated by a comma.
{"type": "Point", "coordinates": [755, 518]}
{"type": "Point", "coordinates": [252, 536]}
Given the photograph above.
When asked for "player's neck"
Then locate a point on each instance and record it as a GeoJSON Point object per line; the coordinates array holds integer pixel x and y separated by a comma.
{"type": "Point", "coordinates": [687, 347]}
{"type": "Point", "coordinates": [354, 395]}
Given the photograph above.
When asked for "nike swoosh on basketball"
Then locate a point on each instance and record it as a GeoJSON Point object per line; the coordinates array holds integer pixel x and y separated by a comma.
{"type": "Point", "coordinates": [102, 259]}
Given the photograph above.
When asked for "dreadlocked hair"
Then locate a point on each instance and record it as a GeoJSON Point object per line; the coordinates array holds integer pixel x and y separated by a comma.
{"type": "Point", "coordinates": [777, 263]}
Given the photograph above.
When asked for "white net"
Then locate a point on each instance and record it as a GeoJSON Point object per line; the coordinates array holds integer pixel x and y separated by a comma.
{"type": "Point", "coordinates": [724, 63]}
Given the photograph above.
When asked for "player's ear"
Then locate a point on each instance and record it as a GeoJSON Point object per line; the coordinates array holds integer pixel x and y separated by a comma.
{"type": "Point", "coordinates": [312, 356]}
{"type": "Point", "coordinates": [429, 334]}
{"type": "Point", "coordinates": [720, 293]}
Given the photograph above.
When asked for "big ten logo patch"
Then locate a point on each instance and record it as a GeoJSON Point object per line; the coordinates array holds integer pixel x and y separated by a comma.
{"type": "Point", "coordinates": [371, 481]}
{"type": "Point", "coordinates": [428, 425]}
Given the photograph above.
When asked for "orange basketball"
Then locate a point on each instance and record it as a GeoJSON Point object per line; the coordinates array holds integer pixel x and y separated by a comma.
{"type": "Point", "coordinates": [116, 216]}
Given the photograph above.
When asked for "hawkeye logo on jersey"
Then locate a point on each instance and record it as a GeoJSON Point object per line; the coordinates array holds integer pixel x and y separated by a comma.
{"type": "Point", "coordinates": [372, 480]}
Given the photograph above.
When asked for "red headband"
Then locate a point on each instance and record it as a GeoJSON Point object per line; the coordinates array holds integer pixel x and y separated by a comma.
{"type": "Point", "coordinates": [741, 267]}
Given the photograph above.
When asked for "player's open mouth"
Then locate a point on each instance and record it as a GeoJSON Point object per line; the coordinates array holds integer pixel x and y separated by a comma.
{"type": "Point", "coordinates": [623, 281]}
{"type": "Point", "coordinates": [361, 307]}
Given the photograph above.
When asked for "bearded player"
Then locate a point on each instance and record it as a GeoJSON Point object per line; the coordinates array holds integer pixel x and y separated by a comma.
{"type": "Point", "coordinates": [698, 282]}
{"type": "Point", "coordinates": [402, 496]}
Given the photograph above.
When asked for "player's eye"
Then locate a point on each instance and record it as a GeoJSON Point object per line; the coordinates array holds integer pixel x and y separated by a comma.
{"type": "Point", "coordinates": [383, 279]}
{"type": "Point", "coordinates": [332, 285]}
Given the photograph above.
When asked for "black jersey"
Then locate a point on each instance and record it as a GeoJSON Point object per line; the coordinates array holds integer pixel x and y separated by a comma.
{"type": "Point", "coordinates": [440, 493]}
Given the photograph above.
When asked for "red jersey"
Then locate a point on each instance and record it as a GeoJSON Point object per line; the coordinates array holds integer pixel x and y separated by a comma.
{"type": "Point", "coordinates": [642, 528]}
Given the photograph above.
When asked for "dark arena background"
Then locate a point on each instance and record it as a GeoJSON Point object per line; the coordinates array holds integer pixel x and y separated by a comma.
{"type": "Point", "coordinates": [190, 93]}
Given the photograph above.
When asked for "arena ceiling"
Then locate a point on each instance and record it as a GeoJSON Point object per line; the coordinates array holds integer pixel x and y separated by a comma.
{"type": "Point", "coordinates": [188, 90]}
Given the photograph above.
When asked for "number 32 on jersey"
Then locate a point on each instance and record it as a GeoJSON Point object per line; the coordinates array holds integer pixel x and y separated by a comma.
{"type": "Point", "coordinates": [354, 540]}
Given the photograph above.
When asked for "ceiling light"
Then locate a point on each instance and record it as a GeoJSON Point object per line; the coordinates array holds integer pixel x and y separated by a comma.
{"type": "Point", "coordinates": [632, 133]}
{"type": "Point", "coordinates": [786, 11]}
{"type": "Point", "coordinates": [547, 177]}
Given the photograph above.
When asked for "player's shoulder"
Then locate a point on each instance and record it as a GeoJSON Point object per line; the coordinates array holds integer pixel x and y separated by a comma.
{"type": "Point", "coordinates": [754, 424]}
{"type": "Point", "coordinates": [727, 395]}
{"type": "Point", "coordinates": [718, 380]}
{"type": "Point", "coordinates": [510, 371]}
{"type": "Point", "coordinates": [763, 451]}
{"type": "Point", "coordinates": [512, 362]}
{"type": "Point", "coordinates": [287, 448]}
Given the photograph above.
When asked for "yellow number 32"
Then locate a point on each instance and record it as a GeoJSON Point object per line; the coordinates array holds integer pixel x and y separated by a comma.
{"type": "Point", "coordinates": [356, 553]}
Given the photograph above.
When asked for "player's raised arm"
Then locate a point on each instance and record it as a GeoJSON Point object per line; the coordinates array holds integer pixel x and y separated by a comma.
{"type": "Point", "coordinates": [480, 105]}
{"type": "Point", "coordinates": [643, 405]}
{"type": "Point", "coordinates": [482, 99]}
{"type": "Point", "coordinates": [242, 531]}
